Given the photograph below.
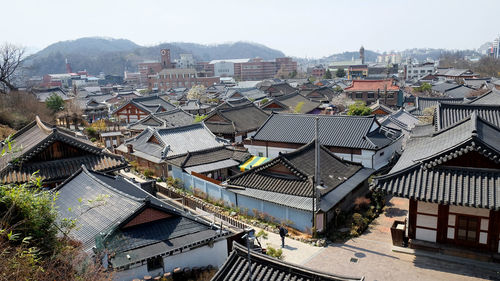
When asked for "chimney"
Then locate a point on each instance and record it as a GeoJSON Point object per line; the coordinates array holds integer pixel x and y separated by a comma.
{"type": "Point", "coordinates": [130, 148]}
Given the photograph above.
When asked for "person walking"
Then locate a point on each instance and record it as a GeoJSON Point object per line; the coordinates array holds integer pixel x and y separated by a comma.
{"type": "Point", "coordinates": [283, 233]}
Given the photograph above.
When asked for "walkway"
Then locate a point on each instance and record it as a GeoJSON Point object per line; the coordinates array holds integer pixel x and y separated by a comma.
{"type": "Point", "coordinates": [371, 255]}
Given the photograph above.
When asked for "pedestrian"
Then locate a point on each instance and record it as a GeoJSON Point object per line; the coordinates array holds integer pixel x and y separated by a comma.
{"type": "Point", "coordinates": [283, 233]}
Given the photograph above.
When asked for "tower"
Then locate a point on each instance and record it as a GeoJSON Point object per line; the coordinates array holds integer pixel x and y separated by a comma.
{"type": "Point", "coordinates": [68, 67]}
{"type": "Point", "coordinates": [165, 58]}
{"type": "Point", "coordinates": [362, 54]}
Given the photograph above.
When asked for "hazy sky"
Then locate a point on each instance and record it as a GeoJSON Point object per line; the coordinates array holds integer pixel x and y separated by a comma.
{"type": "Point", "coordinates": [298, 28]}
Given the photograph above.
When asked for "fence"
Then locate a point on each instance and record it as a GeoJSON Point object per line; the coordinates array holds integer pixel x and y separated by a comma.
{"type": "Point", "coordinates": [195, 203]}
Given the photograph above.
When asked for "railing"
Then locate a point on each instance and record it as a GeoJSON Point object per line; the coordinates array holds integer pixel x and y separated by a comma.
{"type": "Point", "coordinates": [195, 203]}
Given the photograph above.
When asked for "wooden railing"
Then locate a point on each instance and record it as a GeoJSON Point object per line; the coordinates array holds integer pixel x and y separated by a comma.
{"type": "Point", "coordinates": [196, 203]}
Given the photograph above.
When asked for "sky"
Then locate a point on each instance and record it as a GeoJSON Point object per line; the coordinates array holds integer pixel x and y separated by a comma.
{"type": "Point", "coordinates": [309, 28]}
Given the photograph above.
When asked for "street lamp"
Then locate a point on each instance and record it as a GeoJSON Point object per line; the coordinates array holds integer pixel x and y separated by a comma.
{"type": "Point", "coordinates": [250, 238]}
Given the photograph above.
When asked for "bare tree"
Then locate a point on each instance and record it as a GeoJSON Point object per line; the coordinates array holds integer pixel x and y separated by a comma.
{"type": "Point", "coordinates": [11, 58]}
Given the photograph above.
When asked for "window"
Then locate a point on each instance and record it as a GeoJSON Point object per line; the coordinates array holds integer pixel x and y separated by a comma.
{"type": "Point", "coordinates": [155, 263]}
{"type": "Point", "coordinates": [359, 95]}
{"type": "Point", "coordinates": [467, 228]}
{"type": "Point", "coordinates": [169, 168]}
{"type": "Point", "coordinates": [370, 95]}
{"type": "Point", "coordinates": [390, 96]}
{"type": "Point", "coordinates": [261, 154]}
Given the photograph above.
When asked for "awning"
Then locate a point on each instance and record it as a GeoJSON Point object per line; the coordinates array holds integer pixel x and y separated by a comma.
{"type": "Point", "coordinates": [212, 166]}
{"type": "Point", "coordinates": [254, 161]}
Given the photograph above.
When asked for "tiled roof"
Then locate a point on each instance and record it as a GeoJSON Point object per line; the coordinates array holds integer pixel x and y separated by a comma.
{"type": "Point", "coordinates": [459, 92]}
{"type": "Point", "coordinates": [334, 130]}
{"type": "Point", "coordinates": [172, 118]}
{"type": "Point", "coordinates": [425, 146]}
{"type": "Point", "coordinates": [371, 85]}
{"type": "Point", "coordinates": [149, 104]}
{"type": "Point", "coordinates": [422, 103]}
{"type": "Point", "coordinates": [209, 156]}
{"type": "Point", "coordinates": [334, 171]}
{"type": "Point", "coordinates": [17, 166]}
{"type": "Point", "coordinates": [400, 119]}
{"type": "Point", "coordinates": [422, 172]}
{"type": "Point", "coordinates": [444, 86]}
{"type": "Point", "coordinates": [291, 101]}
{"type": "Point", "coordinates": [172, 142]}
{"type": "Point", "coordinates": [270, 269]}
{"type": "Point", "coordinates": [447, 114]}
{"type": "Point", "coordinates": [490, 98]}
{"type": "Point", "coordinates": [243, 118]}
{"type": "Point", "coordinates": [73, 202]}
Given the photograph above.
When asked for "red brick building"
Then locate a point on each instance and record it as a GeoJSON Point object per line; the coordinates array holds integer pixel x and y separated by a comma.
{"type": "Point", "coordinates": [370, 90]}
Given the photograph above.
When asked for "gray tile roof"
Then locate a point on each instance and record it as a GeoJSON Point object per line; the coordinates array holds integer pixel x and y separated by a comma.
{"type": "Point", "coordinates": [425, 146]}
{"type": "Point", "coordinates": [167, 119]}
{"type": "Point", "coordinates": [210, 155]}
{"type": "Point", "coordinates": [77, 200]}
{"type": "Point", "coordinates": [300, 163]}
{"type": "Point", "coordinates": [290, 101]}
{"type": "Point", "coordinates": [490, 98]}
{"type": "Point", "coordinates": [422, 103]}
{"type": "Point", "coordinates": [238, 119]}
{"type": "Point", "coordinates": [444, 86]}
{"type": "Point", "coordinates": [149, 104]}
{"type": "Point", "coordinates": [172, 142]}
{"type": "Point", "coordinates": [270, 269]}
{"type": "Point", "coordinates": [334, 130]}
{"type": "Point", "coordinates": [36, 137]}
{"type": "Point", "coordinates": [423, 172]}
{"type": "Point", "coordinates": [400, 119]}
{"type": "Point", "coordinates": [459, 92]}
{"type": "Point", "coordinates": [447, 114]}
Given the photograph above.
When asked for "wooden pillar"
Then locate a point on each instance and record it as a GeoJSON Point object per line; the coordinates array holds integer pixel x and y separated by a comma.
{"type": "Point", "coordinates": [412, 220]}
{"type": "Point", "coordinates": [442, 223]}
{"type": "Point", "coordinates": [493, 231]}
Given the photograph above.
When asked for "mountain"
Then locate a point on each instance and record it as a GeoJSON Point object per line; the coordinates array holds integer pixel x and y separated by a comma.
{"type": "Point", "coordinates": [370, 56]}
{"type": "Point", "coordinates": [113, 56]}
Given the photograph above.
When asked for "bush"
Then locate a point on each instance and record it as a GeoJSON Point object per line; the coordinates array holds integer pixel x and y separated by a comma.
{"type": "Point", "coordinates": [275, 253]}
{"type": "Point", "coordinates": [361, 203]}
{"type": "Point", "coordinates": [148, 173]}
{"type": "Point", "coordinates": [93, 139]}
{"type": "Point", "coordinates": [91, 132]}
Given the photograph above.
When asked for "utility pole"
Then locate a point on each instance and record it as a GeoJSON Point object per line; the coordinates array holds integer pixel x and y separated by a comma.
{"type": "Point", "coordinates": [316, 180]}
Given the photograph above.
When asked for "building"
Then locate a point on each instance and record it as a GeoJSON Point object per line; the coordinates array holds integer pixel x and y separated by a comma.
{"type": "Point", "coordinates": [152, 148]}
{"type": "Point", "coordinates": [166, 119]}
{"type": "Point", "coordinates": [418, 71]}
{"type": "Point", "coordinates": [185, 61]}
{"type": "Point", "coordinates": [392, 58]}
{"type": "Point", "coordinates": [292, 103]}
{"type": "Point", "coordinates": [369, 91]}
{"type": "Point", "coordinates": [454, 74]}
{"type": "Point", "coordinates": [147, 68]}
{"type": "Point", "coordinates": [357, 72]}
{"type": "Point", "coordinates": [138, 108]}
{"type": "Point", "coordinates": [273, 89]}
{"type": "Point", "coordinates": [284, 188]}
{"type": "Point", "coordinates": [235, 123]}
{"type": "Point", "coordinates": [145, 236]}
{"type": "Point", "coordinates": [452, 179]}
{"type": "Point", "coordinates": [318, 72]}
{"type": "Point", "coordinates": [251, 69]}
{"type": "Point", "coordinates": [235, 269]}
{"type": "Point", "coordinates": [354, 138]}
{"type": "Point", "coordinates": [55, 153]}
{"type": "Point", "coordinates": [420, 104]}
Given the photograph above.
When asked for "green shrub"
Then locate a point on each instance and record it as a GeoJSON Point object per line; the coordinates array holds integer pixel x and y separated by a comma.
{"type": "Point", "coordinates": [148, 173]}
{"type": "Point", "coordinates": [93, 139]}
{"type": "Point", "coordinates": [275, 253]}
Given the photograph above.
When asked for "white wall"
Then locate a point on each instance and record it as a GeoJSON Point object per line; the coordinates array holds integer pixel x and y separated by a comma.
{"type": "Point", "coordinates": [427, 218]}
{"type": "Point", "coordinates": [224, 68]}
{"type": "Point", "coordinates": [197, 257]}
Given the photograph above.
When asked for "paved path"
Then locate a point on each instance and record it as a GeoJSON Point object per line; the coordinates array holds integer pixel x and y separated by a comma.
{"type": "Point", "coordinates": [371, 255]}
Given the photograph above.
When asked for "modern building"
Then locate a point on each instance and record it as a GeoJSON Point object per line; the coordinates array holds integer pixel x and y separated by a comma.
{"type": "Point", "coordinates": [369, 91]}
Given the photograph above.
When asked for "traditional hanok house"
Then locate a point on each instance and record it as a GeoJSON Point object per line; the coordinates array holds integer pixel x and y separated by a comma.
{"type": "Point", "coordinates": [139, 108]}
{"type": "Point", "coordinates": [369, 91]}
{"type": "Point", "coordinates": [43, 94]}
{"type": "Point", "coordinates": [321, 94]}
{"type": "Point", "coordinates": [422, 103]}
{"type": "Point", "coordinates": [94, 110]}
{"type": "Point", "coordinates": [234, 102]}
{"type": "Point", "coordinates": [459, 91]}
{"type": "Point", "coordinates": [235, 268]}
{"type": "Point", "coordinates": [447, 114]}
{"type": "Point", "coordinates": [492, 97]}
{"type": "Point", "coordinates": [131, 231]}
{"type": "Point", "coordinates": [195, 107]}
{"type": "Point", "coordinates": [216, 163]}
{"type": "Point", "coordinates": [54, 153]}
{"type": "Point", "coordinates": [152, 148]}
{"type": "Point", "coordinates": [355, 138]}
{"type": "Point", "coordinates": [400, 120]}
{"type": "Point", "coordinates": [111, 139]}
{"type": "Point", "coordinates": [379, 109]}
{"type": "Point", "coordinates": [166, 119]}
{"type": "Point", "coordinates": [249, 93]}
{"type": "Point", "coordinates": [236, 123]}
{"type": "Point", "coordinates": [454, 73]}
{"type": "Point", "coordinates": [283, 187]}
{"type": "Point", "coordinates": [452, 178]}
{"type": "Point", "coordinates": [122, 97]}
{"type": "Point", "coordinates": [292, 103]}
{"type": "Point", "coordinates": [277, 89]}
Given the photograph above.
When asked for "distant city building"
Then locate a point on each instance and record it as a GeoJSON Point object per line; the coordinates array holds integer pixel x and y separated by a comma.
{"type": "Point", "coordinates": [250, 69]}
{"type": "Point", "coordinates": [318, 71]}
{"type": "Point", "coordinates": [186, 61]}
{"type": "Point", "coordinates": [495, 48]}
{"type": "Point", "coordinates": [389, 58]}
{"type": "Point", "coordinates": [419, 70]}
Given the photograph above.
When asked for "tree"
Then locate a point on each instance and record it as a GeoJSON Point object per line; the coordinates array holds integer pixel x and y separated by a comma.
{"type": "Point", "coordinates": [55, 102]}
{"type": "Point", "coordinates": [425, 87]}
{"type": "Point", "coordinates": [340, 72]}
{"type": "Point", "coordinates": [359, 108]}
{"type": "Point", "coordinates": [196, 92]}
{"type": "Point", "coordinates": [328, 74]}
{"type": "Point", "coordinates": [11, 58]}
